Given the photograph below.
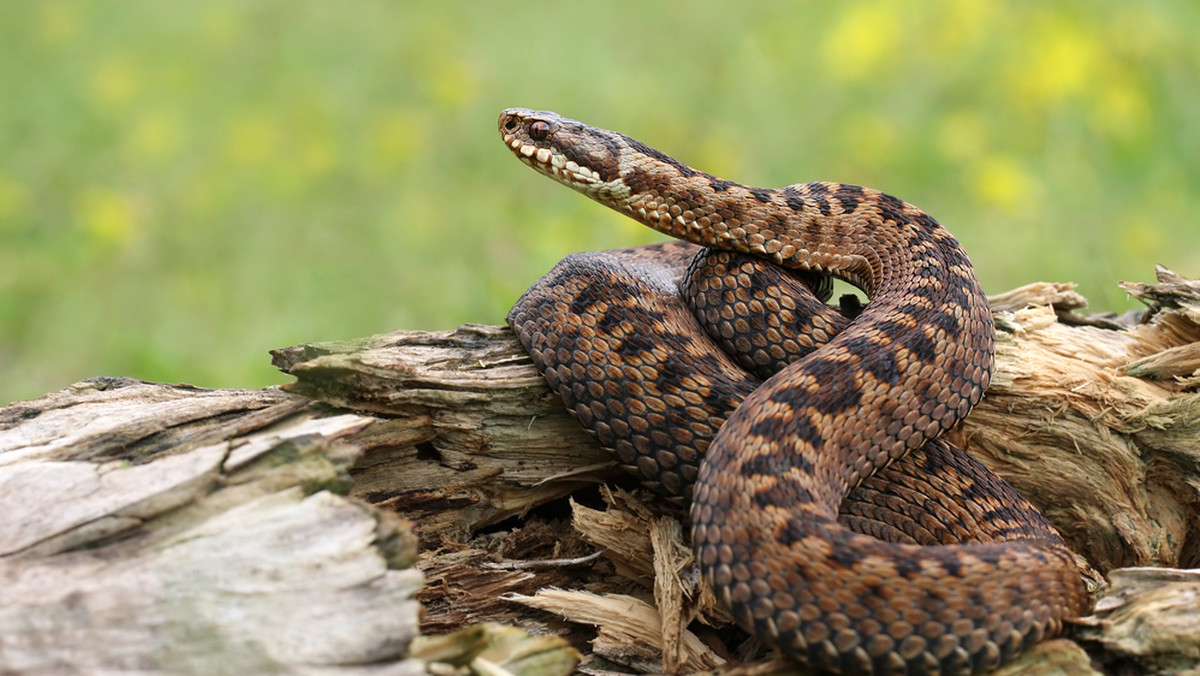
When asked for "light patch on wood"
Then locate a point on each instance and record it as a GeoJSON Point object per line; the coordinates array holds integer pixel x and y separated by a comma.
{"type": "Point", "coordinates": [627, 626]}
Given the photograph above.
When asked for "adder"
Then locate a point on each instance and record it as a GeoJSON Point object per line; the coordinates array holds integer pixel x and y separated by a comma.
{"type": "Point", "coordinates": [826, 512]}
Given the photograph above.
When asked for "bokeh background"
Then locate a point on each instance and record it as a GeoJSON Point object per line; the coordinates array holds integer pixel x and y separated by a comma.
{"type": "Point", "coordinates": [185, 185]}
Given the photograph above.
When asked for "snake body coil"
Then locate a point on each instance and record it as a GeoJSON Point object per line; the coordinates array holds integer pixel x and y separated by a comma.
{"type": "Point", "coordinates": [826, 512]}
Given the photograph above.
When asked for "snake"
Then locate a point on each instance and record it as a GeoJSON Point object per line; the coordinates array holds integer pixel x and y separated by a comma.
{"type": "Point", "coordinates": [828, 513]}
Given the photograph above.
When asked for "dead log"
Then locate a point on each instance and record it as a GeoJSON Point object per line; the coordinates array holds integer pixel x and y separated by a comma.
{"type": "Point", "coordinates": [164, 528]}
{"type": "Point", "coordinates": [154, 528]}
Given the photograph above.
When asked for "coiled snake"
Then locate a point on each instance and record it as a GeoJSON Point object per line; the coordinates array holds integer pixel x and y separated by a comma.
{"type": "Point", "coordinates": [826, 513]}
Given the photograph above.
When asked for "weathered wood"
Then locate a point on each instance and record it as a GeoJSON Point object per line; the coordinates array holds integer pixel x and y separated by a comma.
{"type": "Point", "coordinates": [170, 529]}
{"type": "Point", "coordinates": [165, 529]}
{"type": "Point", "coordinates": [472, 434]}
{"type": "Point", "coordinates": [1149, 618]}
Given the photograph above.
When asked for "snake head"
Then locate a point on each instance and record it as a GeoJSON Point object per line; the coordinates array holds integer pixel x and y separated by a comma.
{"type": "Point", "coordinates": [577, 155]}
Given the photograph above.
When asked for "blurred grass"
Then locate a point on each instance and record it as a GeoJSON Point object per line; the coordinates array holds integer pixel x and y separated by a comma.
{"type": "Point", "coordinates": [184, 186]}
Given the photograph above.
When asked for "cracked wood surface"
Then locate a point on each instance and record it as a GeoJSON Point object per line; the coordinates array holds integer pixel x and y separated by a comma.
{"type": "Point", "coordinates": [170, 529]}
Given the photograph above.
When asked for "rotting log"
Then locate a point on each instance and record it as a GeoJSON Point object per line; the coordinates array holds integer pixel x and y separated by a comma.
{"type": "Point", "coordinates": [156, 528]}
{"type": "Point", "coordinates": [167, 529]}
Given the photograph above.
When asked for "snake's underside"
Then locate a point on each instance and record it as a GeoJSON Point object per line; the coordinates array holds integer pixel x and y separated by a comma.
{"type": "Point", "coordinates": [826, 512]}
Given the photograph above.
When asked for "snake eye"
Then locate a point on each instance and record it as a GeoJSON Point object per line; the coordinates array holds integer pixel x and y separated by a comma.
{"type": "Point", "coordinates": [539, 130]}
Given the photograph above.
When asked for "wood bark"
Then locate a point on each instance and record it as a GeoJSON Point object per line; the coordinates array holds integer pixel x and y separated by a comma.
{"type": "Point", "coordinates": [169, 529]}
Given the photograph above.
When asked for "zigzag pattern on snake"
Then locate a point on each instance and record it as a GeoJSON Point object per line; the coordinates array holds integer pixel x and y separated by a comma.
{"type": "Point", "coordinates": [826, 512]}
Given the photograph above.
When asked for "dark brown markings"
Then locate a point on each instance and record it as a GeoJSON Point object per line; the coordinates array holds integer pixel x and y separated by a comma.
{"type": "Point", "coordinates": [926, 222]}
{"type": "Point", "coordinates": [956, 257]}
{"type": "Point", "coordinates": [929, 271]}
{"type": "Point", "coordinates": [837, 397]}
{"type": "Point", "coordinates": [600, 290]}
{"type": "Point", "coordinates": [767, 427]}
{"type": "Point", "coordinates": [907, 567]}
{"type": "Point", "coordinates": [796, 528]}
{"type": "Point", "coordinates": [876, 360]}
{"type": "Point", "coordinates": [951, 565]}
{"type": "Point", "coordinates": [799, 424]}
{"type": "Point", "coordinates": [794, 395]}
{"type": "Point", "coordinates": [816, 195]}
{"type": "Point", "coordinates": [782, 493]}
{"type": "Point", "coordinates": [760, 278]}
{"type": "Point", "coordinates": [763, 195]}
{"type": "Point", "coordinates": [817, 190]}
{"type": "Point", "coordinates": [609, 323]}
{"type": "Point", "coordinates": [850, 196]}
{"type": "Point", "coordinates": [919, 345]}
{"type": "Point", "coordinates": [971, 491]}
{"type": "Point", "coordinates": [797, 197]}
{"type": "Point", "coordinates": [764, 464]}
{"type": "Point", "coordinates": [890, 208]}
{"type": "Point", "coordinates": [947, 319]}
{"type": "Point", "coordinates": [846, 557]}
{"type": "Point", "coordinates": [635, 344]}
{"type": "Point", "coordinates": [795, 202]}
{"type": "Point", "coordinates": [720, 185]}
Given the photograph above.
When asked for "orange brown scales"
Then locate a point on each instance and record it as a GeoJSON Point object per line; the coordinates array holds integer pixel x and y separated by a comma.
{"type": "Point", "coordinates": [933, 565]}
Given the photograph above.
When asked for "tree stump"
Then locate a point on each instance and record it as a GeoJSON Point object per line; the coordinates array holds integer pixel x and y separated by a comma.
{"type": "Point", "coordinates": [170, 529]}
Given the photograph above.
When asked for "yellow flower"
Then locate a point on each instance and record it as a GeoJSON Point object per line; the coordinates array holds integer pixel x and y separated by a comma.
{"type": "Point", "coordinates": [962, 136]}
{"type": "Point", "coordinates": [961, 24]}
{"type": "Point", "coordinates": [252, 139]}
{"type": "Point", "coordinates": [114, 82]}
{"type": "Point", "coordinates": [863, 38]}
{"type": "Point", "coordinates": [395, 138]}
{"type": "Point", "coordinates": [1120, 109]}
{"type": "Point", "coordinates": [1062, 59]}
{"type": "Point", "coordinates": [57, 22]}
{"type": "Point", "coordinates": [451, 82]}
{"type": "Point", "coordinates": [1001, 182]}
{"type": "Point", "coordinates": [15, 201]}
{"type": "Point", "coordinates": [106, 215]}
{"type": "Point", "coordinates": [156, 135]}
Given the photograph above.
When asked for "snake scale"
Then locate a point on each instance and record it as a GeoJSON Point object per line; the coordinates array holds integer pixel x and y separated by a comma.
{"type": "Point", "coordinates": [826, 512]}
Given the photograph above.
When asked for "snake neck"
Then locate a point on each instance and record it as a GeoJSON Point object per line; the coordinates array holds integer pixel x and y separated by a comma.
{"type": "Point", "coordinates": [873, 240]}
{"type": "Point", "coordinates": [925, 305]}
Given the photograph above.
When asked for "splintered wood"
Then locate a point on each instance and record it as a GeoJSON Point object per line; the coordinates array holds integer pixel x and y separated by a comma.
{"type": "Point", "coordinates": [167, 529]}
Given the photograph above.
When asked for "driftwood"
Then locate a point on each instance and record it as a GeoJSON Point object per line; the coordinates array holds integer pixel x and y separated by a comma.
{"type": "Point", "coordinates": [162, 528]}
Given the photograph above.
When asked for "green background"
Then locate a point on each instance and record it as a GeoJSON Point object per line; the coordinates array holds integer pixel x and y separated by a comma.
{"type": "Point", "coordinates": [185, 185]}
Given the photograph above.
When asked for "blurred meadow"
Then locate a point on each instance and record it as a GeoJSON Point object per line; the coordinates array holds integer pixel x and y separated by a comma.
{"type": "Point", "coordinates": [184, 186]}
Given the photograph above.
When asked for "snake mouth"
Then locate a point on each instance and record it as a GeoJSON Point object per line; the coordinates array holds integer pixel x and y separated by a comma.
{"type": "Point", "coordinates": [531, 137]}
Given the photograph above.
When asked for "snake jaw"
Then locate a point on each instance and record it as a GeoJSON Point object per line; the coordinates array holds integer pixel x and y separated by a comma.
{"type": "Point", "coordinates": [532, 136]}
